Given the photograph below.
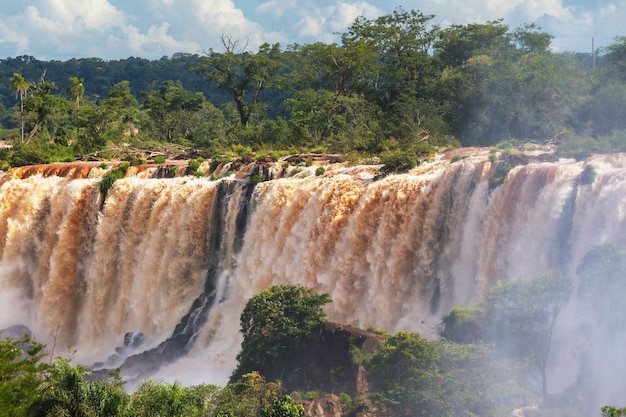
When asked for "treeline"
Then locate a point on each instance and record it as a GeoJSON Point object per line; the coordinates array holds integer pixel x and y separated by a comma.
{"type": "Point", "coordinates": [397, 82]}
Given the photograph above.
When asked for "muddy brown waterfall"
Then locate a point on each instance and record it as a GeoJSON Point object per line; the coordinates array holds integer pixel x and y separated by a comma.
{"type": "Point", "coordinates": [394, 253]}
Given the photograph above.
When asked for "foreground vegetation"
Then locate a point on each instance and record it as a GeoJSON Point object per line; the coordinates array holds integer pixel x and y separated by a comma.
{"type": "Point", "coordinates": [397, 84]}
{"type": "Point", "coordinates": [491, 358]}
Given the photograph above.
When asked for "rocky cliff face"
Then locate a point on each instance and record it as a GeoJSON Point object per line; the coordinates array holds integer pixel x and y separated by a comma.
{"type": "Point", "coordinates": [333, 363]}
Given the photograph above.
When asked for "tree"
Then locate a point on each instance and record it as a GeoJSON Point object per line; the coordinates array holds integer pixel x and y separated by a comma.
{"type": "Point", "coordinates": [602, 285]}
{"type": "Point", "coordinates": [458, 43]}
{"type": "Point", "coordinates": [21, 374]}
{"type": "Point", "coordinates": [612, 411]}
{"type": "Point", "coordinates": [615, 54]}
{"type": "Point", "coordinates": [172, 108]}
{"type": "Point", "coordinates": [274, 324]}
{"type": "Point", "coordinates": [328, 81]}
{"type": "Point", "coordinates": [64, 392]}
{"type": "Point", "coordinates": [529, 38]}
{"type": "Point", "coordinates": [520, 316]}
{"type": "Point", "coordinates": [107, 398]}
{"type": "Point", "coordinates": [284, 406]}
{"type": "Point", "coordinates": [404, 375]}
{"type": "Point", "coordinates": [158, 398]}
{"type": "Point", "coordinates": [241, 73]}
{"type": "Point", "coordinates": [21, 87]}
{"type": "Point", "coordinates": [42, 103]}
{"type": "Point", "coordinates": [76, 90]}
{"type": "Point", "coordinates": [402, 41]}
{"type": "Point", "coordinates": [246, 397]}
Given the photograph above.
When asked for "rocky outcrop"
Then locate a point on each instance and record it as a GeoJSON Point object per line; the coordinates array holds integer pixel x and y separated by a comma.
{"type": "Point", "coordinates": [333, 363]}
{"type": "Point", "coordinates": [326, 406]}
{"type": "Point", "coordinates": [15, 332]}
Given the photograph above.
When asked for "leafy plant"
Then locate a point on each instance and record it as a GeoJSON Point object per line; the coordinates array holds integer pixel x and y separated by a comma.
{"type": "Point", "coordinates": [398, 161]}
{"type": "Point", "coordinates": [257, 178]}
{"type": "Point", "coordinates": [588, 175]}
{"type": "Point", "coordinates": [275, 324]}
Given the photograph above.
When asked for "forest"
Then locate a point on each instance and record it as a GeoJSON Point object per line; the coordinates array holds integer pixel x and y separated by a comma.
{"type": "Point", "coordinates": [396, 85]}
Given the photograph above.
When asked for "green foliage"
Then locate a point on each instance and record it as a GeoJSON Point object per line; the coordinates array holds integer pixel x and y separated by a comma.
{"type": "Point", "coordinates": [588, 175]}
{"type": "Point", "coordinates": [275, 324]}
{"type": "Point", "coordinates": [464, 324]}
{"type": "Point", "coordinates": [612, 411]}
{"type": "Point", "coordinates": [398, 161]}
{"type": "Point", "coordinates": [64, 393]}
{"type": "Point", "coordinates": [320, 171]}
{"type": "Point", "coordinates": [404, 371]}
{"type": "Point", "coordinates": [21, 375]}
{"type": "Point", "coordinates": [159, 159]}
{"type": "Point", "coordinates": [158, 398]}
{"type": "Point", "coordinates": [499, 175]}
{"type": "Point", "coordinates": [246, 396]}
{"type": "Point", "coordinates": [107, 181]}
{"type": "Point", "coordinates": [397, 78]}
{"type": "Point", "coordinates": [257, 178]}
{"type": "Point", "coordinates": [283, 406]}
{"type": "Point", "coordinates": [523, 329]}
{"type": "Point", "coordinates": [602, 284]}
{"type": "Point", "coordinates": [412, 376]}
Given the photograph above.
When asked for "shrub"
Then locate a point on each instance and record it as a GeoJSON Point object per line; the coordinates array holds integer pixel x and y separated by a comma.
{"type": "Point", "coordinates": [109, 179]}
{"type": "Point", "coordinates": [398, 161]}
{"type": "Point", "coordinates": [320, 171]}
{"type": "Point", "coordinates": [193, 164]}
{"type": "Point", "coordinates": [123, 167]}
{"type": "Point", "coordinates": [159, 159]}
{"type": "Point", "coordinates": [588, 175]}
{"type": "Point", "coordinates": [257, 178]}
{"type": "Point", "coordinates": [502, 170]}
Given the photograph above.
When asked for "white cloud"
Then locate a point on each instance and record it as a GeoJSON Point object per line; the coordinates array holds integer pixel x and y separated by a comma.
{"type": "Point", "coordinates": [277, 8]}
{"type": "Point", "coordinates": [323, 22]}
{"type": "Point", "coordinates": [112, 29]}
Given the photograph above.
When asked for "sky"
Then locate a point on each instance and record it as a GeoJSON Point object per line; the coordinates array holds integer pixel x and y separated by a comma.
{"type": "Point", "coordinates": [118, 29]}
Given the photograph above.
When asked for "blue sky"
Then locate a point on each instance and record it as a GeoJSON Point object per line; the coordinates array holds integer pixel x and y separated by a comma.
{"type": "Point", "coordinates": [117, 29]}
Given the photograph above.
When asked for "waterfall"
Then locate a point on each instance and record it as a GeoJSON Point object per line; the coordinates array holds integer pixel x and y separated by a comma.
{"type": "Point", "coordinates": [177, 258]}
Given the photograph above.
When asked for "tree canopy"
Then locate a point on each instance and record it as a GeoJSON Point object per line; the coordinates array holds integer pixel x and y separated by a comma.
{"type": "Point", "coordinates": [274, 324]}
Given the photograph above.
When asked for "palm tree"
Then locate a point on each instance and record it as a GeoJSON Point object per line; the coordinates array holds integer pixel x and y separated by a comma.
{"type": "Point", "coordinates": [21, 87]}
{"type": "Point", "coordinates": [75, 91]}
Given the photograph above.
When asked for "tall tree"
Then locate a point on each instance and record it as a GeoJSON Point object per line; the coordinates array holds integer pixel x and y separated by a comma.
{"type": "Point", "coordinates": [43, 103]}
{"type": "Point", "coordinates": [328, 81]}
{"type": "Point", "coordinates": [76, 90]}
{"type": "Point", "coordinates": [603, 287]}
{"type": "Point", "coordinates": [242, 74]}
{"type": "Point", "coordinates": [21, 87]}
{"type": "Point", "coordinates": [274, 324]}
{"type": "Point", "coordinates": [171, 108]}
{"type": "Point", "coordinates": [402, 41]}
{"type": "Point", "coordinates": [21, 375]}
{"type": "Point", "coordinates": [521, 314]}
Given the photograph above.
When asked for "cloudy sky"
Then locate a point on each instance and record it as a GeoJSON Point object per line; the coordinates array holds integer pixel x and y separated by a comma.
{"type": "Point", "coordinates": [116, 29]}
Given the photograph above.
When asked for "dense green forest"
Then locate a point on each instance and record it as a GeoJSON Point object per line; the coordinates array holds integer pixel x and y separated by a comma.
{"type": "Point", "coordinates": [397, 83]}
